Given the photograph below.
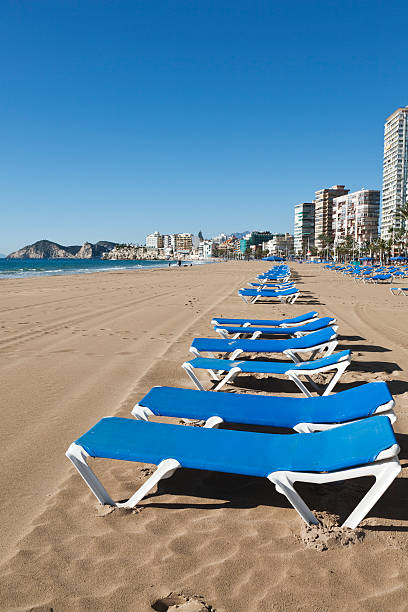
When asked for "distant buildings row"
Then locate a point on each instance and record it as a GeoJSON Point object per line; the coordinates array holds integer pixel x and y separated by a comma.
{"type": "Point", "coordinates": [335, 214]}
{"type": "Point", "coordinates": [251, 244]}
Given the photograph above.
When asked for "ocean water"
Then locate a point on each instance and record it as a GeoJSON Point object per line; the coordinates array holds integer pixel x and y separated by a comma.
{"type": "Point", "coordinates": [23, 268]}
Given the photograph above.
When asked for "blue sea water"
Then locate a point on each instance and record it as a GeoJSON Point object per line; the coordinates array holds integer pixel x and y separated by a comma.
{"type": "Point", "coordinates": [23, 268]}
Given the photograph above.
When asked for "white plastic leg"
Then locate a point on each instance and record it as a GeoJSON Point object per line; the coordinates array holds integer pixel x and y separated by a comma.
{"type": "Point", "coordinates": [213, 422]}
{"type": "Point", "coordinates": [165, 469]}
{"type": "Point", "coordinates": [295, 378]}
{"type": "Point", "coordinates": [229, 378]}
{"type": "Point", "coordinates": [78, 456]}
{"type": "Point", "coordinates": [285, 487]}
{"type": "Point", "coordinates": [189, 371]}
{"type": "Point", "coordinates": [141, 413]}
{"type": "Point", "coordinates": [384, 471]}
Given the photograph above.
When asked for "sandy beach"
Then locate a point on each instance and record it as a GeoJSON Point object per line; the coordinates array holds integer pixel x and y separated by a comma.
{"type": "Point", "coordinates": [76, 348]}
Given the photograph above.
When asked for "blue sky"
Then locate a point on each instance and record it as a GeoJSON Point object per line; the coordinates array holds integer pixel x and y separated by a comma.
{"type": "Point", "coordinates": [122, 117]}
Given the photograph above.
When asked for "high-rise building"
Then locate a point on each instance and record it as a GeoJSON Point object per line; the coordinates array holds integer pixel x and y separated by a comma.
{"type": "Point", "coordinates": [356, 214]}
{"type": "Point", "coordinates": [395, 170]}
{"type": "Point", "coordinates": [324, 210]}
{"type": "Point", "coordinates": [184, 242]}
{"type": "Point", "coordinates": [154, 241]}
{"type": "Point", "coordinates": [304, 232]}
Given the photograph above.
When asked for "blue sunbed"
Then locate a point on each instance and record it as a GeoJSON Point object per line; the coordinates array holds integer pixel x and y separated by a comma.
{"type": "Point", "coordinates": [286, 295]}
{"type": "Point", "coordinates": [300, 414]}
{"type": "Point", "coordinates": [304, 318]}
{"type": "Point", "coordinates": [315, 342]}
{"type": "Point", "coordinates": [363, 448]}
{"type": "Point", "coordinates": [336, 363]}
{"type": "Point", "coordinates": [255, 332]}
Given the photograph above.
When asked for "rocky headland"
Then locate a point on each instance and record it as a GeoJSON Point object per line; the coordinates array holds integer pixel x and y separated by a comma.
{"type": "Point", "coordinates": [45, 249]}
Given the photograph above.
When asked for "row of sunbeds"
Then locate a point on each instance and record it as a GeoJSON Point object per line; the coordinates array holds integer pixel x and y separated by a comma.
{"type": "Point", "coordinates": [371, 274]}
{"type": "Point", "coordinates": [354, 435]}
{"type": "Point", "coordinates": [377, 275]}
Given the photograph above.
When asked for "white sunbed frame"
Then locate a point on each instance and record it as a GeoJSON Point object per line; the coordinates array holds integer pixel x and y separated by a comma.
{"type": "Point", "coordinates": [223, 331]}
{"type": "Point", "coordinates": [217, 322]}
{"type": "Point", "coordinates": [285, 299]}
{"type": "Point", "coordinates": [337, 368]}
{"type": "Point", "coordinates": [326, 348]}
{"type": "Point", "coordinates": [399, 291]}
{"type": "Point", "coordinates": [384, 468]}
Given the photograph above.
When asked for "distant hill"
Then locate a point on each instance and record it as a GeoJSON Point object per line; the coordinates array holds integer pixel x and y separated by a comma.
{"type": "Point", "coordinates": [45, 249]}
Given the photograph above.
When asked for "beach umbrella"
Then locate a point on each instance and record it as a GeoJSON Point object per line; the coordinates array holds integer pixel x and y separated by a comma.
{"type": "Point", "coordinates": [273, 258]}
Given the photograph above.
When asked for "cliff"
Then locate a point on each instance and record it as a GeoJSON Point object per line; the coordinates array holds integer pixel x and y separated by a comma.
{"type": "Point", "coordinates": [130, 251]}
{"type": "Point", "coordinates": [45, 249]}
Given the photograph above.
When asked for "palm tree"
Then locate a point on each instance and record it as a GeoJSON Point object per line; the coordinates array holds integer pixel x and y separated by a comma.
{"type": "Point", "coordinates": [402, 214]}
{"type": "Point", "coordinates": [326, 242]}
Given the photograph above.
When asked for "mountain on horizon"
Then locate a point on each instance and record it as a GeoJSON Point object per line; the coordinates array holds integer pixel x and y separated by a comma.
{"type": "Point", "coordinates": [45, 249]}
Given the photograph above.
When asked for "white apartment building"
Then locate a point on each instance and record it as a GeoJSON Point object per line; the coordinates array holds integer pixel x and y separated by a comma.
{"type": "Point", "coordinates": [280, 245]}
{"type": "Point", "coordinates": [356, 214]}
{"type": "Point", "coordinates": [205, 249]}
{"type": "Point", "coordinates": [220, 238]}
{"type": "Point", "coordinates": [304, 232]}
{"type": "Point", "coordinates": [167, 241]}
{"type": "Point", "coordinates": [154, 241]}
{"type": "Point", "coordinates": [395, 170]}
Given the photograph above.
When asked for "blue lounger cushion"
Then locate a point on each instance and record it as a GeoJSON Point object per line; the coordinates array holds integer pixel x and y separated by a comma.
{"type": "Point", "coordinates": [239, 452]}
{"type": "Point", "coordinates": [271, 322]}
{"type": "Point", "coordinates": [264, 346]}
{"type": "Point", "coordinates": [253, 366]}
{"type": "Point", "coordinates": [355, 403]}
{"type": "Point", "coordinates": [307, 327]}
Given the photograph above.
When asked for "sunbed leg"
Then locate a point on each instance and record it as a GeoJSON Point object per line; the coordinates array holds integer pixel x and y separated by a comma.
{"type": "Point", "coordinates": [285, 487]}
{"type": "Point", "coordinates": [165, 469]}
{"type": "Point", "coordinates": [383, 478]}
{"type": "Point", "coordinates": [229, 378]}
{"type": "Point", "coordinates": [299, 384]}
{"type": "Point", "coordinates": [213, 422]}
{"type": "Point", "coordinates": [341, 367]}
{"type": "Point", "coordinates": [189, 371]}
{"type": "Point", "coordinates": [77, 455]}
{"type": "Point", "coordinates": [141, 413]}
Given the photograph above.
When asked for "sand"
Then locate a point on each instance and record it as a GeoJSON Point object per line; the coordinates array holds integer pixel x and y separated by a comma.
{"type": "Point", "coordinates": [76, 348]}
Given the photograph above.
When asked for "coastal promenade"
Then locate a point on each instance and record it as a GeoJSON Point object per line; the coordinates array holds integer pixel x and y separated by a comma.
{"type": "Point", "coordinates": [76, 348]}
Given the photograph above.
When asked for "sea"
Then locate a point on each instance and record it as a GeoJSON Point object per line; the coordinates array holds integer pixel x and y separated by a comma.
{"type": "Point", "coordinates": [23, 268]}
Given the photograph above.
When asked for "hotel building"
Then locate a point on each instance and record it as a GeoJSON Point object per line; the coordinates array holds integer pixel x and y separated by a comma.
{"type": "Point", "coordinates": [183, 242]}
{"type": "Point", "coordinates": [304, 226]}
{"type": "Point", "coordinates": [280, 244]}
{"type": "Point", "coordinates": [395, 170]}
{"type": "Point", "coordinates": [324, 210]}
{"type": "Point", "coordinates": [356, 214]}
{"type": "Point", "coordinates": [154, 241]}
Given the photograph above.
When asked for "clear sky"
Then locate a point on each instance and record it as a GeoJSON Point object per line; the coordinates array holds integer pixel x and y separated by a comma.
{"type": "Point", "coordinates": [122, 117]}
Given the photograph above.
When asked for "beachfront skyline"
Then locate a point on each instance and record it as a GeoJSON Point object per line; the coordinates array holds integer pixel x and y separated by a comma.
{"type": "Point", "coordinates": [119, 117]}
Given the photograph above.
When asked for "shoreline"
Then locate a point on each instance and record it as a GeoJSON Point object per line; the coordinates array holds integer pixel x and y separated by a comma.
{"type": "Point", "coordinates": [23, 274]}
